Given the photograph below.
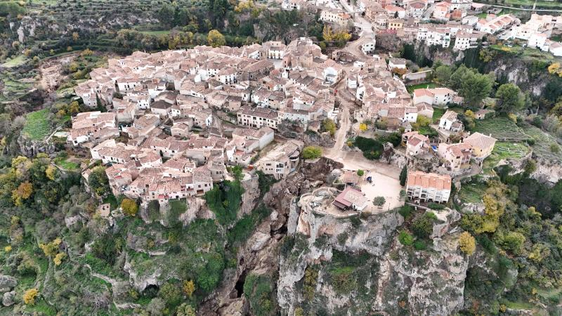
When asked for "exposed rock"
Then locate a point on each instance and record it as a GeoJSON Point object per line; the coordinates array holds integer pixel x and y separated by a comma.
{"type": "Point", "coordinates": [237, 307]}
{"type": "Point", "coordinates": [8, 299]}
{"type": "Point", "coordinates": [250, 183]}
{"type": "Point", "coordinates": [7, 282]}
{"type": "Point", "coordinates": [427, 282]}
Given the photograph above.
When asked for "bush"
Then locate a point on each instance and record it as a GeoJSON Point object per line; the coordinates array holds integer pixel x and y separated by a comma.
{"type": "Point", "coordinates": [372, 149]}
{"type": "Point", "coordinates": [467, 243]}
{"type": "Point", "coordinates": [423, 225]}
{"type": "Point", "coordinates": [406, 211]}
{"type": "Point", "coordinates": [436, 206]}
{"type": "Point", "coordinates": [420, 245]}
{"type": "Point", "coordinates": [360, 172]}
{"type": "Point", "coordinates": [405, 238]}
{"type": "Point", "coordinates": [311, 152]}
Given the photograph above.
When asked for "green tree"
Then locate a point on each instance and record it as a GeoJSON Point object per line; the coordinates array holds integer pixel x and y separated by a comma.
{"type": "Point", "coordinates": [475, 88]}
{"type": "Point", "coordinates": [379, 201]}
{"type": "Point", "coordinates": [510, 98]}
{"type": "Point", "coordinates": [456, 79]}
{"type": "Point", "coordinates": [329, 126]}
{"type": "Point", "coordinates": [311, 152]}
{"type": "Point", "coordinates": [443, 74]}
{"type": "Point", "coordinates": [360, 172]}
{"type": "Point", "coordinates": [166, 15]}
{"type": "Point", "coordinates": [423, 225]}
{"type": "Point", "coordinates": [170, 293]}
{"type": "Point", "coordinates": [404, 175]}
{"type": "Point", "coordinates": [215, 38]}
{"type": "Point", "coordinates": [98, 181]}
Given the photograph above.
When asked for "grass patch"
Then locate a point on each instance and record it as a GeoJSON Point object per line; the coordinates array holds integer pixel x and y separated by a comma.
{"type": "Point", "coordinates": [66, 164]}
{"type": "Point", "coordinates": [437, 114]}
{"type": "Point", "coordinates": [426, 85]}
{"type": "Point", "coordinates": [15, 62]}
{"type": "Point", "coordinates": [37, 126]}
{"type": "Point", "coordinates": [504, 150]}
{"type": "Point", "coordinates": [472, 192]}
{"type": "Point", "coordinates": [543, 142]}
{"type": "Point", "coordinates": [501, 128]}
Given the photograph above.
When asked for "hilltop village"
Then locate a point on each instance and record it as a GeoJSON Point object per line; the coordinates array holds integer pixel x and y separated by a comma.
{"type": "Point", "coordinates": [176, 121]}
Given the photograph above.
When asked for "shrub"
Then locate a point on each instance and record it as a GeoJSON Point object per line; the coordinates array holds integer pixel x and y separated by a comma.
{"type": "Point", "coordinates": [436, 206]}
{"type": "Point", "coordinates": [467, 243]}
{"type": "Point", "coordinates": [311, 152]}
{"type": "Point", "coordinates": [406, 211]}
{"type": "Point", "coordinates": [420, 245]}
{"type": "Point", "coordinates": [405, 238]}
{"type": "Point", "coordinates": [360, 172]}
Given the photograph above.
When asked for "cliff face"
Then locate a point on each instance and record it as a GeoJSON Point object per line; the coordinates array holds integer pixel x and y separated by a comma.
{"type": "Point", "coordinates": [388, 279]}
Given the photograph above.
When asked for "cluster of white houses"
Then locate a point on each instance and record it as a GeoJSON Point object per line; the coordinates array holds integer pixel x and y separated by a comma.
{"type": "Point", "coordinates": [439, 23]}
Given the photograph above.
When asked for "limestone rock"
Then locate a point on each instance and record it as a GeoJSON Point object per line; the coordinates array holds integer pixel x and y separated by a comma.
{"type": "Point", "coordinates": [8, 299]}
{"type": "Point", "coordinates": [7, 282]}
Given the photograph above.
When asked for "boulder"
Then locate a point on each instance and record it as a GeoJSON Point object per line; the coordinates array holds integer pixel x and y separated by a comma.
{"type": "Point", "coordinates": [8, 299]}
{"type": "Point", "coordinates": [7, 283]}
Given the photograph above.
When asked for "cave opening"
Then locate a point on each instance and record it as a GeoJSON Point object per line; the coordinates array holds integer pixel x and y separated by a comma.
{"type": "Point", "coordinates": [240, 284]}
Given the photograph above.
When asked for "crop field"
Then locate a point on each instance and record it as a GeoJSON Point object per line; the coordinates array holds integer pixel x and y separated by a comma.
{"type": "Point", "coordinates": [544, 144]}
{"type": "Point", "coordinates": [501, 128]}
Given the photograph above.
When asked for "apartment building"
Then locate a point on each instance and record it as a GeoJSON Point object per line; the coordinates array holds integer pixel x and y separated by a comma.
{"type": "Point", "coordinates": [428, 187]}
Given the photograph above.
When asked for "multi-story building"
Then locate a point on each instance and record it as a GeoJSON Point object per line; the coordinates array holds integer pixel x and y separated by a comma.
{"type": "Point", "coordinates": [257, 117]}
{"type": "Point", "coordinates": [428, 187]}
{"type": "Point", "coordinates": [282, 160]}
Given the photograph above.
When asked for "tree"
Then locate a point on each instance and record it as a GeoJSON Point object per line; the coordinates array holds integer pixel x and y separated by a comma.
{"type": "Point", "coordinates": [188, 288]}
{"type": "Point", "coordinates": [475, 88]}
{"type": "Point", "coordinates": [379, 201]}
{"type": "Point", "coordinates": [443, 74]}
{"type": "Point", "coordinates": [329, 126]}
{"type": "Point", "coordinates": [130, 207]}
{"type": "Point", "coordinates": [98, 181]}
{"type": "Point", "coordinates": [166, 15]}
{"type": "Point", "coordinates": [75, 36]}
{"type": "Point", "coordinates": [51, 172]}
{"type": "Point", "coordinates": [29, 296]}
{"type": "Point", "coordinates": [170, 293]}
{"type": "Point", "coordinates": [23, 192]}
{"type": "Point", "coordinates": [510, 98]}
{"type": "Point", "coordinates": [423, 225]}
{"type": "Point", "coordinates": [58, 258]}
{"type": "Point", "coordinates": [404, 175]}
{"type": "Point", "coordinates": [458, 76]}
{"type": "Point", "coordinates": [311, 152]}
{"type": "Point", "coordinates": [363, 127]}
{"type": "Point", "coordinates": [467, 243]}
{"type": "Point", "coordinates": [360, 172]}
{"type": "Point", "coordinates": [215, 38]}
{"type": "Point", "coordinates": [185, 310]}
